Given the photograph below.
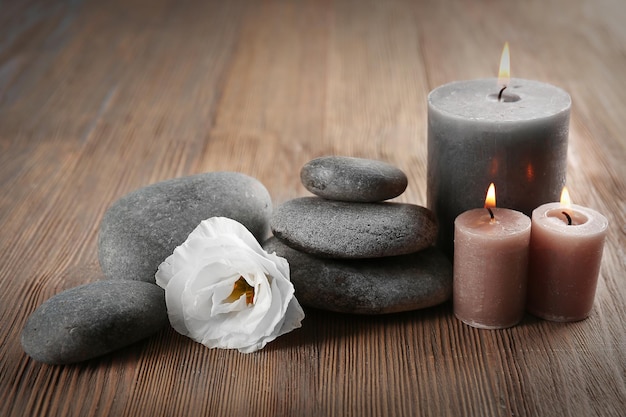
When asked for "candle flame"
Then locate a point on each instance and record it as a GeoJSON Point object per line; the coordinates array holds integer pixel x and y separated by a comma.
{"type": "Point", "coordinates": [566, 201]}
{"type": "Point", "coordinates": [490, 200]}
{"type": "Point", "coordinates": [504, 74]}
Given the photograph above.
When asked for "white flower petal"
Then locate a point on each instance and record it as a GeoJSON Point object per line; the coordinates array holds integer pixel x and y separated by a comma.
{"type": "Point", "coordinates": [225, 227]}
{"type": "Point", "coordinates": [174, 302]}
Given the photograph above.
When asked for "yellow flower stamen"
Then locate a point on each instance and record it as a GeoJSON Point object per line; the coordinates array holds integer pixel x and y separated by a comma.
{"type": "Point", "coordinates": [240, 287]}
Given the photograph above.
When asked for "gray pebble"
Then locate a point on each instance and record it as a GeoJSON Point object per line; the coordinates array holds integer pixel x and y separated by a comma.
{"type": "Point", "coordinates": [144, 227]}
{"type": "Point", "coordinates": [360, 180]}
{"type": "Point", "coordinates": [368, 286]}
{"type": "Point", "coordinates": [338, 229]}
{"type": "Point", "coordinates": [93, 319]}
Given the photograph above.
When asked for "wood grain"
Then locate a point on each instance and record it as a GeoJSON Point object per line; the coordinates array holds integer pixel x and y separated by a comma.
{"type": "Point", "coordinates": [100, 98]}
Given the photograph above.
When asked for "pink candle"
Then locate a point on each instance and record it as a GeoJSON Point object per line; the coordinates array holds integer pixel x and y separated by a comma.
{"type": "Point", "coordinates": [490, 266]}
{"type": "Point", "coordinates": [565, 255]}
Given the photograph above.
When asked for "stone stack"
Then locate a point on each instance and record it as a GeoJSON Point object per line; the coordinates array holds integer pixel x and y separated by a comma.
{"type": "Point", "coordinates": [350, 251]}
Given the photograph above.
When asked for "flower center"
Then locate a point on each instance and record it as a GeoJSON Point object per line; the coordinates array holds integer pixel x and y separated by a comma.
{"type": "Point", "coordinates": [241, 287]}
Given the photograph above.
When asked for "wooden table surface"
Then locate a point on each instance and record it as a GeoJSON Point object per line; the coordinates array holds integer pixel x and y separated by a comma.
{"type": "Point", "coordinates": [98, 98]}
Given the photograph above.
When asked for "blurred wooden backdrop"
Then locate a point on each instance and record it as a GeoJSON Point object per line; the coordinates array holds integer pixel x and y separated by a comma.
{"type": "Point", "coordinates": [98, 98]}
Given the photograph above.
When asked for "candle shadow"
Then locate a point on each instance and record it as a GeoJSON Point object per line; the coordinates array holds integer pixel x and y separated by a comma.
{"type": "Point", "coordinates": [529, 320]}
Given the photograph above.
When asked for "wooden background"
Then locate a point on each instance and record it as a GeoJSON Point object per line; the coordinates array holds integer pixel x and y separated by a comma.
{"type": "Point", "coordinates": [98, 98]}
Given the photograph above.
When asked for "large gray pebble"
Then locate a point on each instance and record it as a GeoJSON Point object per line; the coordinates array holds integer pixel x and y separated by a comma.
{"type": "Point", "coordinates": [345, 178]}
{"type": "Point", "coordinates": [144, 227]}
{"type": "Point", "coordinates": [338, 229]}
{"type": "Point", "coordinates": [368, 286]}
{"type": "Point", "coordinates": [93, 319]}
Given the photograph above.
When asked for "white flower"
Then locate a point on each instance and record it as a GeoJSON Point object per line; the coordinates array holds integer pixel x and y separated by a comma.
{"type": "Point", "coordinates": [223, 290]}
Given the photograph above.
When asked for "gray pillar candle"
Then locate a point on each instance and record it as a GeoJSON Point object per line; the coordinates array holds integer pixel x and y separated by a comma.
{"type": "Point", "coordinates": [518, 142]}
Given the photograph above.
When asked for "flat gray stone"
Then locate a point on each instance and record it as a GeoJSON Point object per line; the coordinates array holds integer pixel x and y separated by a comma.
{"type": "Point", "coordinates": [336, 229]}
{"type": "Point", "coordinates": [343, 178]}
{"type": "Point", "coordinates": [368, 286]}
{"type": "Point", "coordinates": [144, 227]}
{"type": "Point", "coordinates": [93, 319]}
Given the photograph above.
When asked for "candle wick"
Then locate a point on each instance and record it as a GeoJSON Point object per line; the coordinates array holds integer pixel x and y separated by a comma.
{"type": "Point", "coordinates": [500, 93]}
{"type": "Point", "coordinates": [493, 218]}
{"type": "Point", "coordinates": [569, 218]}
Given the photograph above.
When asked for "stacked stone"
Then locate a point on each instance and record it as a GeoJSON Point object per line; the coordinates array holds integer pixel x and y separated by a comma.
{"type": "Point", "coordinates": [350, 251]}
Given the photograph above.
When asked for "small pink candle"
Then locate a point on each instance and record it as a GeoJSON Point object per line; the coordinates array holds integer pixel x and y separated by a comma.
{"type": "Point", "coordinates": [565, 255]}
{"type": "Point", "coordinates": [490, 266]}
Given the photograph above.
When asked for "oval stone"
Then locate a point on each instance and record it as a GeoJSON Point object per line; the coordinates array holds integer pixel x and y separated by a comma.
{"type": "Point", "coordinates": [345, 178]}
{"type": "Point", "coordinates": [93, 319]}
{"type": "Point", "coordinates": [368, 286]}
{"type": "Point", "coordinates": [338, 229]}
{"type": "Point", "coordinates": [144, 227]}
